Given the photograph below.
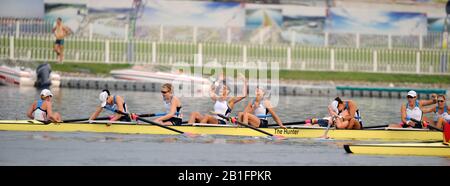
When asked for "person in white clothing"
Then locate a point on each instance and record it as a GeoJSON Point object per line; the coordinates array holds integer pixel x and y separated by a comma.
{"type": "Point", "coordinates": [223, 105]}
{"type": "Point", "coordinates": [412, 111]}
{"type": "Point", "coordinates": [41, 109]}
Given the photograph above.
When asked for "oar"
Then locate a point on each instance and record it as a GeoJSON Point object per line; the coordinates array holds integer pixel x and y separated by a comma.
{"type": "Point", "coordinates": [300, 122]}
{"type": "Point", "coordinates": [376, 126]}
{"type": "Point", "coordinates": [159, 125]}
{"type": "Point", "coordinates": [278, 137]}
{"type": "Point", "coordinates": [104, 118]}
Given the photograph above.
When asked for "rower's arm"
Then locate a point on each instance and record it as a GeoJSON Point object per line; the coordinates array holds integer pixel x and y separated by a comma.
{"type": "Point", "coordinates": [273, 113]}
{"type": "Point", "coordinates": [94, 115]}
{"type": "Point", "coordinates": [173, 110]}
{"type": "Point", "coordinates": [428, 110]}
{"type": "Point", "coordinates": [331, 111]}
{"type": "Point", "coordinates": [244, 91]}
{"type": "Point", "coordinates": [403, 113]}
{"type": "Point", "coordinates": [248, 108]}
{"type": "Point", "coordinates": [30, 110]}
{"type": "Point", "coordinates": [50, 111]}
{"type": "Point", "coordinates": [212, 94]}
{"type": "Point", "coordinates": [119, 102]}
{"type": "Point", "coordinates": [432, 101]}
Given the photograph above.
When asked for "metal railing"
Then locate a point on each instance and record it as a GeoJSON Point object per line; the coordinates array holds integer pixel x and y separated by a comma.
{"type": "Point", "coordinates": [138, 51]}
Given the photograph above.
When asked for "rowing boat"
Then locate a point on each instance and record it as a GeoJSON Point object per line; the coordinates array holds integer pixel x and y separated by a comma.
{"type": "Point", "coordinates": [292, 132]}
{"type": "Point", "coordinates": [412, 149]}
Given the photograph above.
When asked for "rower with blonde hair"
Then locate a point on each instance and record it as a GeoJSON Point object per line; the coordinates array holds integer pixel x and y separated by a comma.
{"type": "Point", "coordinates": [172, 105]}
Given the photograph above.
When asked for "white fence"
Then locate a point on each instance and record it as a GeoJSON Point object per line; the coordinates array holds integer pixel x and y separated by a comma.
{"type": "Point", "coordinates": [431, 40]}
{"type": "Point", "coordinates": [138, 51]}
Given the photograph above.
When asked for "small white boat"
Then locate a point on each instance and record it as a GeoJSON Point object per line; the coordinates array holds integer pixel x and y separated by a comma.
{"type": "Point", "coordinates": [199, 84]}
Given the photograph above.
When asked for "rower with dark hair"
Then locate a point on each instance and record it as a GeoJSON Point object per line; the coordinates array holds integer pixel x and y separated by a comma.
{"type": "Point", "coordinates": [345, 114]}
{"type": "Point", "coordinates": [112, 104]}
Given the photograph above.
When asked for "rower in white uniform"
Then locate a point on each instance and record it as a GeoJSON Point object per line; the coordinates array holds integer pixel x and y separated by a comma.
{"type": "Point", "coordinates": [260, 106]}
{"type": "Point", "coordinates": [223, 104]}
{"type": "Point", "coordinates": [412, 113]}
{"type": "Point", "coordinates": [441, 114]}
{"type": "Point", "coordinates": [41, 109]}
{"type": "Point", "coordinates": [172, 105]}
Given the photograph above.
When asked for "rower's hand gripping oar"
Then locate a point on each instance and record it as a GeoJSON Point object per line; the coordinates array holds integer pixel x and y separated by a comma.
{"type": "Point", "coordinates": [137, 117]}
{"type": "Point", "coordinates": [427, 125]}
{"type": "Point", "coordinates": [277, 137]}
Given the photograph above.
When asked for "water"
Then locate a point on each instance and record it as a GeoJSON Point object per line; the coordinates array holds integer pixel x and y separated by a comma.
{"type": "Point", "coordinates": [47, 148]}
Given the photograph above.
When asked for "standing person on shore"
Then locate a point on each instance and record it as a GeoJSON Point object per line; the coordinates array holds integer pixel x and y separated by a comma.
{"type": "Point", "coordinates": [41, 109]}
{"type": "Point", "coordinates": [412, 111]}
{"type": "Point", "coordinates": [172, 104]}
{"type": "Point", "coordinates": [60, 31]}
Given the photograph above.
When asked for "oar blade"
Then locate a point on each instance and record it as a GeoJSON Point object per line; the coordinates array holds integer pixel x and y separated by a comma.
{"type": "Point", "coordinates": [190, 135]}
{"type": "Point", "coordinates": [278, 137]}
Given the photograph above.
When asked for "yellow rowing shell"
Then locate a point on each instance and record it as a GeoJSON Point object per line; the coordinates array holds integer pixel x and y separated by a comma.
{"type": "Point", "coordinates": [407, 149]}
{"type": "Point", "coordinates": [301, 132]}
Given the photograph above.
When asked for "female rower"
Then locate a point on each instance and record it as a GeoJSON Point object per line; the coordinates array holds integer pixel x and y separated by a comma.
{"type": "Point", "coordinates": [223, 104]}
{"type": "Point", "coordinates": [345, 114]}
{"type": "Point", "coordinates": [259, 106]}
{"type": "Point", "coordinates": [411, 112]}
{"type": "Point", "coordinates": [441, 114]}
{"type": "Point", "coordinates": [41, 109]}
{"type": "Point", "coordinates": [112, 104]}
{"type": "Point", "coordinates": [172, 105]}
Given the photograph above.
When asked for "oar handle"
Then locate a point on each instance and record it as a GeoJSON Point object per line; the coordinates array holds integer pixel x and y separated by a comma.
{"type": "Point", "coordinates": [151, 122]}
{"type": "Point", "coordinates": [264, 115]}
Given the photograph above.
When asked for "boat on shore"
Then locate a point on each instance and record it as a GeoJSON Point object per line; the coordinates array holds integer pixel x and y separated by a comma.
{"type": "Point", "coordinates": [211, 129]}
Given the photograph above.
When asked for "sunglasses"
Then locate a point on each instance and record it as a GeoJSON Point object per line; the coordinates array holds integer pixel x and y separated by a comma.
{"type": "Point", "coordinates": [441, 101]}
{"type": "Point", "coordinates": [164, 92]}
{"type": "Point", "coordinates": [410, 97]}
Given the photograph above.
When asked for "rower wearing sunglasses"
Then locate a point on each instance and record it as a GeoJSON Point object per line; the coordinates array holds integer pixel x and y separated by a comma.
{"type": "Point", "coordinates": [441, 114]}
{"type": "Point", "coordinates": [412, 111]}
{"type": "Point", "coordinates": [172, 105]}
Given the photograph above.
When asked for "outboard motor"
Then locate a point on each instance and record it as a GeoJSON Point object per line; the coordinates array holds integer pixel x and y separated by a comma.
{"type": "Point", "coordinates": [43, 79]}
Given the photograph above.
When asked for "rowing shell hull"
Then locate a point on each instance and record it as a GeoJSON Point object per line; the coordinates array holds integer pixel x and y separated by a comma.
{"type": "Point", "coordinates": [388, 135]}
{"type": "Point", "coordinates": [407, 149]}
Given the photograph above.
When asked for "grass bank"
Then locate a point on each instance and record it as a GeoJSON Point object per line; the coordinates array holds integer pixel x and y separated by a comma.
{"type": "Point", "coordinates": [103, 69]}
